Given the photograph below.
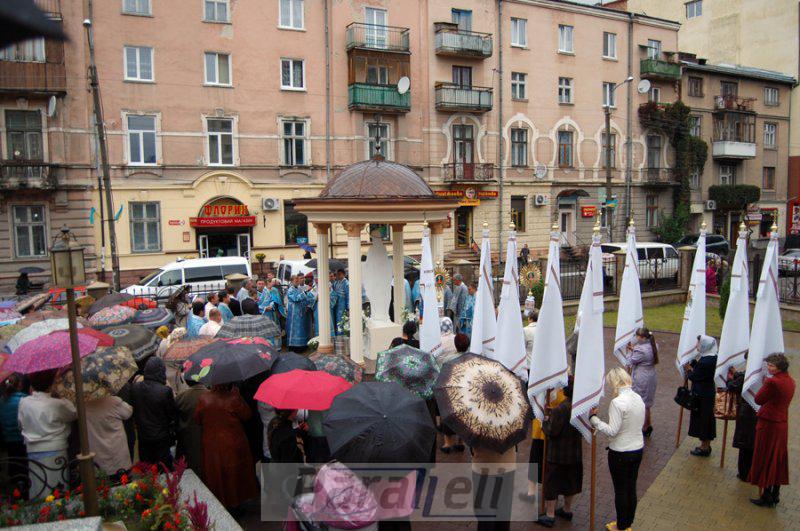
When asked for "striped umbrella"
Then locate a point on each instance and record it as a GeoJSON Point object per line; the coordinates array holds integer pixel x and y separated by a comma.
{"type": "Point", "coordinates": [112, 316]}
{"type": "Point", "coordinates": [251, 326]}
{"type": "Point", "coordinates": [141, 341]}
{"type": "Point", "coordinates": [48, 352]}
{"type": "Point", "coordinates": [154, 317]}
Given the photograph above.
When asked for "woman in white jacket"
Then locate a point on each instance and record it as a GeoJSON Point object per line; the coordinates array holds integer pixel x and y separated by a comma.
{"type": "Point", "coordinates": [626, 442]}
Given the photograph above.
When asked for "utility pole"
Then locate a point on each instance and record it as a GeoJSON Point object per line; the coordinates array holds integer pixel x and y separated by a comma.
{"type": "Point", "coordinates": [106, 170]}
{"type": "Point", "coordinates": [607, 110]}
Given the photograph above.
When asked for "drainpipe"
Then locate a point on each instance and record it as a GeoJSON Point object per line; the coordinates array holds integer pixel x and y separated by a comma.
{"type": "Point", "coordinates": [327, 94]}
{"type": "Point", "coordinates": [628, 126]}
{"type": "Point", "coordinates": [500, 166]}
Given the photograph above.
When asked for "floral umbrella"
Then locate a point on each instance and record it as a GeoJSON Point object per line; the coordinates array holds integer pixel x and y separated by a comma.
{"type": "Point", "coordinates": [339, 366]}
{"type": "Point", "coordinates": [181, 350]}
{"type": "Point", "coordinates": [483, 402]}
{"type": "Point", "coordinates": [9, 331]}
{"type": "Point", "coordinates": [105, 371]}
{"type": "Point", "coordinates": [48, 352]}
{"type": "Point", "coordinates": [221, 362]}
{"type": "Point", "coordinates": [112, 316]}
{"type": "Point", "coordinates": [36, 330]}
{"type": "Point", "coordinates": [154, 317]}
{"type": "Point", "coordinates": [141, 341]}
{"type": "Point", "coordinates": [42, 315]}
{"type": "Point", "coordinates": [414, 369]}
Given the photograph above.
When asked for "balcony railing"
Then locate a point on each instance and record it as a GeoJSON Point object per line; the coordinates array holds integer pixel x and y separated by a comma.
{"type": "Point", "coordinates": [733, 103]}
{"type": "Point", "coordinates": [453, 41]}
{"type": "Point", "coordinates": [51, 8]}
{"type": "Point", "coordinates": [368, 97]}
{"type": "Point", "coordinates": [452, 97]}
{"type": "Point", "coordinates": [658, 69]}
{"type": "Point", "coordinates": [468, 171]}
{"type": "Point", "coordinates": [376, 37]}
{"type": "Point", "coordinates": [659, 176]}
{"type": "Point", "coordinates": [735, 127]}
{"type": "Point", "coordinates": [27, 174]}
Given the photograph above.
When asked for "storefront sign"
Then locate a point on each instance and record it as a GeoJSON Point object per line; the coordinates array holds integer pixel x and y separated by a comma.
{"type": "Point", "coordinates": [468, 196]}
{"type": "Point", "coordinates": [233, 221]}
{"type": "Point", "coordinates": [588, 211]}
{"type": "Point", "coordinates": [469, 202]}
{"type": "Point", "coordinates": [450, 193]}
{"type": "Point", "coordinates": [222, 210]}
{"type": "Point", "coordinates": [176, 222]}
{"type": "Point", "coordinates": [486, 194]}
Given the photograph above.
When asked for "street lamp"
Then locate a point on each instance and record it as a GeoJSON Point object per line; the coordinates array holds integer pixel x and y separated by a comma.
{"type": "Point", "coordinates": [67, 265]}
{"type": "Point", "coordinates": [607, 109]}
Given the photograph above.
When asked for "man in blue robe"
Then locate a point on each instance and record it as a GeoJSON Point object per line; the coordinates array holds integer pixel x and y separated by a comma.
{"type": "Point", "coordinates": [342, 288]}
{"type": "Point", "coordinates": [196, 320]}
{"type": "Point", "coordinates": [465, 319]}
{"type": "Point", "coordinates": [458, 299]}
{"type": "Point", "coordinates": [223, 306]}
{"type": "Point", "coordinates": [297, 316]}
{"type": "Point", "coordinates": [274, 308]}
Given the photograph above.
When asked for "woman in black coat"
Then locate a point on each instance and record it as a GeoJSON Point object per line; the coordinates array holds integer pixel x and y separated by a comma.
{"type": "Point", "coordinates": [702, 423]}
{"type": "Point", "coordinates": [744, 436]}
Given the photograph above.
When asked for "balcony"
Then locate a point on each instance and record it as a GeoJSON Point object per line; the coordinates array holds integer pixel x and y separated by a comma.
{"type": "Point", "coordinates": [658, 177]}
{"type": "Point", "coordinates": [734, 135]}
{"type": "Point", "coordinates": [382, 98]}
{"type": "Point", "coordinates": [362, 36]}
{"type": "Point", "coordinates": [27, 70]}
{"type": "Point", "coordinates": [27, 174]}
{"type": "Point", "coordinates": [466, 172]}
{"type": "Point", "coordinates": [451, 41]}
{"type": "Point", "coordinates": [456, 98]}
{"type": "Point", "coordinates": [658, 69]}
{"type": "Point", "coordinates": [733, 103]}
{"type": "Point", "coordinates": [51, 8]}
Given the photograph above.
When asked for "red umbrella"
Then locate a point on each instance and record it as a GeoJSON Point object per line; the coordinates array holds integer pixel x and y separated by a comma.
{"type": "Point", "coordinates": [103, 340]}
{"type": "Point", "coordinates": [297, 389]}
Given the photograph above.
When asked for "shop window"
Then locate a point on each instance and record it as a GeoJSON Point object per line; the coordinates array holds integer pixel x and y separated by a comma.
{"type": "Point", "coordinates": [295, 224]}
{"type": "Point", "coordinates": [30, 229]}
{"type": "Point", "coordinates": [145, 219]}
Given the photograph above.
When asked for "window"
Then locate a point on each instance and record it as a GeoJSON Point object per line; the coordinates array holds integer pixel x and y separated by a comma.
{"type": "Point", "coordinates": [519, 32]}
{"type": "Point", "coordinates": [694, 9]}
{"type": "Point", "coordinates": [202, 274]}
{"type": "Point", "coordinates": [653, 49]}
{"type": "Point", "coordinates": [220, 141]}
{"type": "Point", "coordinates": [608, 95]}
{"type": "Point", "coordinates": [293, 74]}
{"type": "Point", "coordinates": [138, 63]}
{"type": "Point", "coordinates": [768, 217]}
{"type": "Point", "coordinates": [519, 147]}
{"type": "Point", "coordinates": [463, 149]}
{"type": "Point", "coordinates": [218, 69]}
{"type": "Point", "coordinates": [376, 33]}
{"type": "Point", "coordinates": [462, 76]}
{"type": "Point", "coordinates": [29, 231]}
{"type": "Point", "coordinates": [24, 135]}
{"type": "Point", "coordinates": [295, 224]}
{"type": "Point", "coordinates": [729, 89]}
{"type": "Point", "coordinates": [141, 139]}
{"type": "Point", "coordinates": [606, 146]}
{"type": "Point", "coordinates": [518, 211]}
{"type": "Point", "coordinates": [518, 86]}
{"type": "Point", "coordinates": [565, 39]}
{"type": "Point", "coordinates": [727, 174]}
{"type": "Point", "coordinates": [654, 95]}
{"type": "Point", "coordinates": [30, 51]}
{"type": "Point", "coordinates": [216, 11]}
{"type": "Point", "coordinates": [696, 86]}
{"type": "Point", "coordinates": [609, 45]}
{"type": "Point", "coordinates": [565, 90]}
{"type": "Point", "coordinates": [695, 126]}
{"type": "Point", "coordinates": [771, 96]}
{"type": "Point", "coordinates": [565, 149]}
{"type": "Point", "coordinates": [463, 18]}
{"type": "Point", "coordinates": [653, 152]}
{"type": "Point", "coordinates": [145, 227]}
{"type": "Point", "coordinates": [378, 130]}
{"type": "Point", "coordinates": [377, 75]}
{"type": "Point", "coordinates": [294, 143]}
{"type": "Point", "coordinates": [770, 135]}
{"type": "Point", "coordinates": [291, 15]}
{"type": "Point", "coordinates": [651, 211]}
{"type": "Point", "coordinates": [694, 180]}
{"type": "Point", "coordinates": [136, 7]}
{"type": "Point", "coordinates": [768, 182]}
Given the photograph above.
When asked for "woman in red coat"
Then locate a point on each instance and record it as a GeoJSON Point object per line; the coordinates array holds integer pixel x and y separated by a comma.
{"type": "Point", "coordinates": [770, 468]}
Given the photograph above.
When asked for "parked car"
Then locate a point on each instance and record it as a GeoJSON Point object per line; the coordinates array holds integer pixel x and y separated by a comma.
{"type": "Point", "coordinates": [715, 243]}
{"type": "Point", "coordinates": [202, 275]}
{"type": "Point", "coordinates": [656, 260]}
{"type": "Point", "coordinates": [58, 299]}
{"type": "Point", "coordinates": [789, 263]}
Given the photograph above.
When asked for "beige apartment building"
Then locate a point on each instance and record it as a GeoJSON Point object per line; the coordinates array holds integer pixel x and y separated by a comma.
{"type": "Point", "coordinates": [219, 113]}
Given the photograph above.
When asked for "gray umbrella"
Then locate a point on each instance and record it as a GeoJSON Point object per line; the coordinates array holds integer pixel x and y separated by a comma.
{"type": "Point", "coordinates": [250, 326]}
{"type": "Point", "coordinates": [141, 341]}
{"type": "Point", "coordinates": [107, 301]}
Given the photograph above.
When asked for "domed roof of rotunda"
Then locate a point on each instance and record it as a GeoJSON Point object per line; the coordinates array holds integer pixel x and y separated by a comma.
{"type": "Point", "coordinates": [377, 178]}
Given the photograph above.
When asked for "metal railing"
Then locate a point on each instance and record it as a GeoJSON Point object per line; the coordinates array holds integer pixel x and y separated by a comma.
{"type": "Point", "coordinates": [729, 102]}
{"type": "Point", "coordinates": [377, 37]}
{"type": "Point", "coordinates": [450, 96]}
{"type": "Point", "coordinates": [658, 176]}
{"type": "Point", "coordinates": [659, 68]}
{"type": "Point", "coordinates": [468, 171]}
{"type": "Point", "coordinates": [463, 43]}
{"type": "Point", "coordinates": [386, 97]}
{"type": "Point", "coordinates": [573, 276]}
{"type": "Point", "coordinates": [733, 127]}
{"type": "Point", "coordinates": [20, 174]}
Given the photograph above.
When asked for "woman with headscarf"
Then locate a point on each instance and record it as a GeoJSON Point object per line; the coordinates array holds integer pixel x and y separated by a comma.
{"type": "Point", "coordinates": [702, 423]}
{"type": "Point", "coordinates": [448, 349]}
{"type": "Point", "coordinates": [642, 359]}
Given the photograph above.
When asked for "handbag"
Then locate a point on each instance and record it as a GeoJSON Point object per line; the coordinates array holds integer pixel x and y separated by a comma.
{"type": "Point", "coordinates": [686, 399]}
{"type": "Point", "coordinates": [726, 405]}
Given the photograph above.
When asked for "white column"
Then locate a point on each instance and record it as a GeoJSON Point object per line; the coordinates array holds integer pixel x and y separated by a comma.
{"type": "Point", "coordinates": [354, 269]}
{"type": "Point", "coordinates": [323, 288]}
{"type": "Point", "coordinates": [437, 243]}
{"type": "Point", "coordinates": [398, 269]}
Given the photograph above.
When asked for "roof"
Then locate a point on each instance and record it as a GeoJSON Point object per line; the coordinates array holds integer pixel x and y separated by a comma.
{"type": "Point", "coordinates": [377, 179]}
{"type": "Point", "coordinates": [201, 262]}
{"type": "Point", "coordinates": [741, 71]}
{"type": "Point", "coordinates": [600, 7]}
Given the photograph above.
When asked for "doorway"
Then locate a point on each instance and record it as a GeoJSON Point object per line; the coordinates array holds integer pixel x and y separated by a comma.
{"type": "Point", "coordinates": [566, 224]}
{"type": "Point", "coordinates": [223, 243]}
{"type": "Point", "coordinates": [463, 151]}
{"type": "Point", "coordinates": [463, 227]}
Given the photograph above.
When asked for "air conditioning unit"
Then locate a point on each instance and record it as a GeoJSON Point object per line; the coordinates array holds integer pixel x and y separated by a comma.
{"type": "Point", "coordinates": [270, 203]}
{"type": "Point", "coordinates": [540, 200]}
{"type": "Point", "coordinates": [711, 204]}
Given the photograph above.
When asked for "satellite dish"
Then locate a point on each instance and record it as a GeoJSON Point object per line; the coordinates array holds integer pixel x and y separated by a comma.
{"type": "Point", "coordinates": [643, 87]}
{"type": "Point", "coordinates": [403, 84]}
{"type": "Point", "coordinates": [51, 106]}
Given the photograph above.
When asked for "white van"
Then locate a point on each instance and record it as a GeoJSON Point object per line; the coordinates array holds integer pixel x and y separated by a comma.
{"type": "Point", "coordinates": [290, 268]}
{"type": "Point", "coordinates": [656, 260]}
{"type": "Point", "coordinates": [202, 275]}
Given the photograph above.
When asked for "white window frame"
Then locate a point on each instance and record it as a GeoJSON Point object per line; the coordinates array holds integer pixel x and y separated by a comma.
{"type": "Point", "coordinates": [519, 86]}
{"type": "Point", "coordinates": [157, 138]}
{"type": "Point", "coordinates": [521, 24]}
{"type": "Point", "coordinates": [305, 138]}
{"type": "Point", "coordinates": [27, 51]}
{"type": "Point", "coordinates": [770, 135]}
{"type": "Point", "coordinates": [216, 83]}
{"type": "Point", "coordinates": [291, 16]}
{"type": "Point", "coordinates": [695, 126]}
{"type": "Point", "coordinates": [142, 13]}
{"type": "Point", "coordinates": [653, 49]}
{"type": "Point", "coordinates": [29, 225]}
{"type": "Point", "coordinates": [519, 157]}
{"type": "Point", "coordinates": [291, 72]}
{"type": "Point", "coordinates": [768, 100]}
{"type": "Point", "coordinates": [566, 87]}
{"type": "Point", "coordinates": [145, 220]}
{"type": "Point", "coordinates": [566, 39]}
{"type": "Point", "coordinates": [694, 9]}
{"type": "Point", "coordinates": [609, 45]}
{"type": "Point", "coordinates": [227, 4]}
{"type": "Point", "coordinates": [234, 141]}
{"type": "Point", "coordinates": [654, 95]}
{"type": "Point", "coordinates": [729, 174]}
{"type": "Point", "coordinates": [388, 153]}
{"type": "Point", "coordinates": [609, 95]}
{"type": "Point", "coordinates": [138, 77]}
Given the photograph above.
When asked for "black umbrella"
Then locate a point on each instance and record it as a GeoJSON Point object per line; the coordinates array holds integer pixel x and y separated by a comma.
{"type": "Point", "coordinates": [379, 422]}
{"type": "Point", "coordinates": [224, 362]}
{"type": "Point", "coordinates": [21, 20]}
{"type": "Point", "coordinates": [333, 264]}
{"type": "Point", "coordinates": [107, 301]}
{"type": "Point", "coordinates": [30, 270]}
{"type": "Point", "coordinates": [289, 361]}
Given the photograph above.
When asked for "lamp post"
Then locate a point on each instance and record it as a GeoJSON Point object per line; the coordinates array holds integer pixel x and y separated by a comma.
{"type": "Point", "coordinates": [607, 109]}
{"type": "Point", "coordinates": [66, 261]}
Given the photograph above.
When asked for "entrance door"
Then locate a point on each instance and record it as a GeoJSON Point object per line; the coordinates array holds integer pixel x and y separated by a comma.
{"type": "Point", "coordinates": [463, 152]}
{"type": "Point", "coordinates": [243, 244]}
{"type": "Point", "coordinates": [463, 227]}
{"type": "Point", "coordinates": [566, 220]}
{"type": "Point", "coordinates": [202, 243]}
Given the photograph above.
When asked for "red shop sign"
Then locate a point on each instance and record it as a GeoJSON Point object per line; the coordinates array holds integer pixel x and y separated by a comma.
{"type": "Point", "coordinates": [589, 211]}
{"type": "Point", "coordinates": [233, 221]}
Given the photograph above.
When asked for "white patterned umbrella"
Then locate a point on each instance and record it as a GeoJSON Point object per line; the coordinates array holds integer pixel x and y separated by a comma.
{"type": "Point", "coordinates": [36, 330]}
